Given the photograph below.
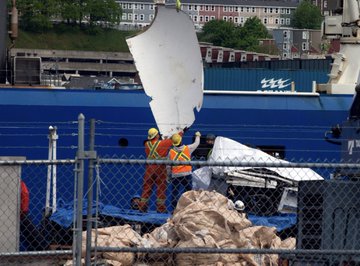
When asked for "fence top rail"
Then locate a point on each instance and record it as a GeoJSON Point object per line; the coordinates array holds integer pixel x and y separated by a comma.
{"type": "Point", "coordinates": [229, 163]}
{"type": "Point", "coordinates": [29, 162]}
{"type": "Point", "coordinates": [34, 254]}
{"type": "Point", "coordinates": [230, 250]}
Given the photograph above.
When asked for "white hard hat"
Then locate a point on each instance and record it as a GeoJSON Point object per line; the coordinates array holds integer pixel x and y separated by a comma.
{"type": "Point", "coordinates": [239, 205]}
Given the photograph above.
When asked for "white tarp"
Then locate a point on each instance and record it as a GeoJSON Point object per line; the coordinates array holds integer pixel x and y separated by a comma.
{"type": "Point", "coordinates": [168, 58]}
{"type": "Point", "coordinates": [228, 150]}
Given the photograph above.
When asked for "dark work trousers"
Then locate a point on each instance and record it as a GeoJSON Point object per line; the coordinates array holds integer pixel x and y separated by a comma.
{"type": "Point", "coordinates": [30, 236]}
{"type": "Point", "coordinates": [179, 185]}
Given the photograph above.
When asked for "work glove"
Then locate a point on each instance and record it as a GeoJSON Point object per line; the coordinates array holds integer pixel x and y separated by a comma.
{"type": "Point", "coordinates": [198, 134]}
{"type": "Point", "coordinates": [168, 179]}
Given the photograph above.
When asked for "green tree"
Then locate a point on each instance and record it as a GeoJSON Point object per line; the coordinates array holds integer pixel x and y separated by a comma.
{"type": "Point", "coordinates": [36, 15]}
{"type": "Point", "coordinates": [307, 16]}
{"type": "Point", "coordinates": [219, 32]}
{"type": "Point", "coordinates": [70, 11]}
{"type": "Point", "coordinates": [106, 11]}
{"type": "Point", "coordinates": [250, 33]}
{"type": "Point", "coordinates": [227, 34]}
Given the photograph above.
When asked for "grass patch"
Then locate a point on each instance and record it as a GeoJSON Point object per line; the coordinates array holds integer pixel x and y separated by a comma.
{"type": "Point", "coordinates": [66, 37]}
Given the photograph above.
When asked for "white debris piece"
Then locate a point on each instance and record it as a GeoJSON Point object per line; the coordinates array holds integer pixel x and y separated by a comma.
{"type": "Point", "coordinates": [168, 58]}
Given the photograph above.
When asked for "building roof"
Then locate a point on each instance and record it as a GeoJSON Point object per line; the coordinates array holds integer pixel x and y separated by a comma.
{"type": "Point", "coordinates": [270, 3]}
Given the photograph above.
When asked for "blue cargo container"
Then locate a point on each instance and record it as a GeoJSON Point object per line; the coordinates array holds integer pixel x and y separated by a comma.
{"type": "Point", "coordinates": [239, 79]}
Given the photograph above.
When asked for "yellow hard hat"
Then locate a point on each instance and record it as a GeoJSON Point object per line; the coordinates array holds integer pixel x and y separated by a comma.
{"type": "Point", "coordinates": [152, 133]}
{"type": "Point", "coordinates": [176, 139]}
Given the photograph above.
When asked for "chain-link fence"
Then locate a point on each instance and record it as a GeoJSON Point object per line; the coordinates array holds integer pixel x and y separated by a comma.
{"type": "Point", "coordinates": [239, 207]}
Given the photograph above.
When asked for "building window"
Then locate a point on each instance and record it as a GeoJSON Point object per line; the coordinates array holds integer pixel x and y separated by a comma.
{"type": "Point", "coordinates": [286, 34]}
{"type": "Point", "coordinates": [142, 17]}
{"type": "Point", "coordinates": [276, 10]}
{"type": "Point", "coordinates": [248, 9]}
{"type": "Point", "coordinates": [270, 10]}
{"type": "Point", "coordinates": [282, 21]}
{"type": "Point", "coordinates": [129, 16]}
{"type": "Point", "coordinates": [285, 55]}
{"type": "Point", "coordinates": [231, 19]}
{"type": "Point", "coordinates": [241, 9]}
{"type": "Point", "coordinates": [123, 6]}
{"type": "Point", "coordinates": [201, 7]}
{"type": "Point", "coordinates": [305, 46]}
{"type": "Point", "coordinates": [212, 18]}
{"type": "Point", "coordinates": [136, 17]}
{"type": "Point", "coordinates": [231, 9]}
{"type": "Point", "coordinates": [136, 6]}
{"type": "Point", "coordinates": [142, 7]}
{"type": "Point", "coordinates": [195, 18]}
{"type": "Point", "coordinates": [285, 46]}
{"type": "Point", "coordinates": [152, 7]}
{"type": "Point", "coordinates": [201, 18]}
{"type": "Point", "coordinates": [129, 6]}
{"type": "Point", "coordinates": [253, 9]}
{"type": "Point", "coordinates": [305, 35]}
{"type": "Point", "coordinates": [265, 10]}
{"type": "Point", "coordinates": [236, 20]}
{"type": "Point", "coordinates": [276, 21]}
{"type": "Point", "coordinates": [225, 8]}
{"type": "Point", "coordinates": [242, 20]}
{"type": "Point", "coordinates": [207, 8]}
{"type": "Point", "coordinates": [287, 21]}
{"type": "Point", "coordinates": [189, 7]}
{"type": "Point", "coordinates": [195, 7]}
{"type": "Point", "coordinates": [224, 18]}
{"type": "Point", "coordinates": [151, 17]}
{"type": "Point", "coordinates": [282, 11]}
{"type": "Point", "coordinates": [206, 18]}
{"type": "Point", "coordinates": [288, 11]}
{"type": "Point", "coordinates": [265, 20]}
{"type": "Point", "coordinates": [124, 16]}
{"type": "Point", "coordinates": [212, 8]}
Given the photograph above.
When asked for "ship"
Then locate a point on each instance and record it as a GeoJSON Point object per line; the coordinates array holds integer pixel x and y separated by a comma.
{"type": "Point", "coordinates": [287, 123]}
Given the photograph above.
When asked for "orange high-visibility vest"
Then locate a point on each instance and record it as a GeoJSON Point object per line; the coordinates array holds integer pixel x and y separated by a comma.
{"type": "Point", "coordinates": [183, 155]}
{"type": "Point", "coordinates": [153, 154]}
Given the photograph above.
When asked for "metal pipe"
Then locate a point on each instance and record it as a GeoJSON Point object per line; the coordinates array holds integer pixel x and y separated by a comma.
{"type": "Point", "coordinates": [80, 187]}
{"type": "Point", "coordinates": [90, 194]}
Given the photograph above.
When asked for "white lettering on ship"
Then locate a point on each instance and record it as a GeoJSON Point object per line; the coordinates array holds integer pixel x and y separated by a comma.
{"type": "Point", "coordinates": [274, 83]}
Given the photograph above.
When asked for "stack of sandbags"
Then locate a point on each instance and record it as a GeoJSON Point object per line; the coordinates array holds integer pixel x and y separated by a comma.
{"type": "Point", "coordinates": [205, 219]}
{"type": "Point", "coordinates": [163, 236]}
{"type": "Point", "coordinates": [116, 236]}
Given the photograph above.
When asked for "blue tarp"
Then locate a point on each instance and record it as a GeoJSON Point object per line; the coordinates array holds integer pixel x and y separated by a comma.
{"type": "Point", "coordinates": [281, 221]}
{"type": "Point", "coordinates": [64, 216]}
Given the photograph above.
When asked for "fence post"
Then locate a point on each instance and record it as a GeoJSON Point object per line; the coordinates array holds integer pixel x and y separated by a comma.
{"type": "Point", "coordinates": [80, 187]}
{"type": "Point", "coordinates": [90, 194]}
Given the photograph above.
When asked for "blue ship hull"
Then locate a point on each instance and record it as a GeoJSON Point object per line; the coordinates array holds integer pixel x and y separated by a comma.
{"type": "Point", "coordinates": [296, 123]}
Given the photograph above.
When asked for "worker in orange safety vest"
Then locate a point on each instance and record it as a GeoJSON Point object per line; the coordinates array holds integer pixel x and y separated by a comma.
{"type": "Point", "coordinates": [155, 149]}
{"type": "Point", "coordinates": [30, 236]}
{"type": "Point", "coordinates": [180, 175]}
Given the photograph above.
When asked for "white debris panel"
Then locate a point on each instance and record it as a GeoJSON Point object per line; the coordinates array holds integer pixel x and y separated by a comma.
{"type": "Point", "coordinates": [168, 58]}
{"type": "Point", "coordinates": [228, 150]}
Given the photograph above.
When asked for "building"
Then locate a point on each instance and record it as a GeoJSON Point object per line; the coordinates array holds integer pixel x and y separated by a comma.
{"type": "Point", "coordinates": [273, 13]}
{"type": "Point", "coordinates": [298, 43]}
